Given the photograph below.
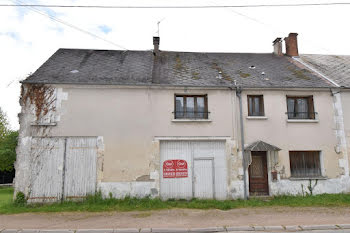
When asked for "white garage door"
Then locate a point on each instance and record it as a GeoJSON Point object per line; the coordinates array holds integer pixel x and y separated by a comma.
{"type": "Point", "coordinates": [206, 170]}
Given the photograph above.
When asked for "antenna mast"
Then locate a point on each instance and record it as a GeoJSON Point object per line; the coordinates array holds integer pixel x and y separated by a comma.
{"type": "Point", "coordinates": [158, 26]}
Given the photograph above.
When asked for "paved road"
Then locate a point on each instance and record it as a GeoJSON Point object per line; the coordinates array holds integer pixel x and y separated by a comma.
{"type": "Point", "coordinates": [320, 231]}
{"type": "Point", "coordinates": [243, 229]}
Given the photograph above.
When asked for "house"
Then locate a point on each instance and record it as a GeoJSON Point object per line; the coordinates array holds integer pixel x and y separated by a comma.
{"type": "Point", "coordinates": [174, 125]}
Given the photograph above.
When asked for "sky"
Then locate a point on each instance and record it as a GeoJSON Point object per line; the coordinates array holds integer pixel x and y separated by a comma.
{"type": "Point", "coordinates": [28, 37]}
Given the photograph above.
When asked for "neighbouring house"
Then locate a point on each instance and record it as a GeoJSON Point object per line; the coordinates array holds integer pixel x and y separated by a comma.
{"type": "Point", "coordinates": [174, 125]}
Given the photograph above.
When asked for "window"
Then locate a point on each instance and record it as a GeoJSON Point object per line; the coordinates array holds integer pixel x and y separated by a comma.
{"type": "Point", "coordinates": [191, 107]}
{"type": "Point", "coordinates": [305, 163]}
{"type": "Point", "coordinates": [300, 107]}
{"type": "Point", "coordinates": [255, 105]}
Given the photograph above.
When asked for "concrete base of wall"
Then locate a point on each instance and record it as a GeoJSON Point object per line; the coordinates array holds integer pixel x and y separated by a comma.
{"type": "Point", "coordinates": [236, 190]}
{"type": "Point", "coordinates": [294, 187]}
{"type": "Point", "coordinates": [123, 189]}
{"type": "Point", "coordinates": [281, 187]}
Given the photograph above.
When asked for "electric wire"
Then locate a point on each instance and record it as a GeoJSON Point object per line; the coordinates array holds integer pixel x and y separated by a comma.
{"type": "Point", "coordinates": [70, 25]}
{"type": "Point", "coordinates": [176, 7]}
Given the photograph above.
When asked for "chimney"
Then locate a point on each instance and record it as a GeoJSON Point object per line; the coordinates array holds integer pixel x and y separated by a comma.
{"type": "Point", "coordinates": [156, 45]}
{"type": "Point", "coordinates": [277, 46]}
{"type": "Point", "coordinates": [292, 45]}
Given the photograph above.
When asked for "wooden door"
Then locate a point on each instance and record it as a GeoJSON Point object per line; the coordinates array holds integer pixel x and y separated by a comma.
{"type": "Point", "coordinates": [258, 181]}
{"type": "Point", "coordinates": [80, 167]}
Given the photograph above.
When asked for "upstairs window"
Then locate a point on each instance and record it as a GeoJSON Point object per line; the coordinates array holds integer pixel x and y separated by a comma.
{"type": "Point", "coordinates": [305, 164]}
{"type": "Point", "coordinates": [256, 105]}
{"type": "Point", "coordinates": [300, 107]}
{"type": "Point", "coordinates": [191, 107]}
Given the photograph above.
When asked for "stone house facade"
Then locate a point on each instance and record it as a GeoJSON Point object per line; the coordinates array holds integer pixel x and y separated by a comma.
{"type": "Point", "coordinates": [174, 125]}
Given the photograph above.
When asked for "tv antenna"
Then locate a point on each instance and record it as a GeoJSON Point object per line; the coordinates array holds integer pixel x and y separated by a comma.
{"type": "Point", "coordinates": [158, 26]}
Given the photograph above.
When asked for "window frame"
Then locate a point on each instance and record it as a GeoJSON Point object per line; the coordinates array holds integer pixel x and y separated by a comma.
{"type": "Point", "coordinates": [195, 112]}
{"type": "Point", "coordinates": [307, 174]}
{"type": "Point", "coordinates": [261, 105]}
{"type": "Point", "coordinates": [311, 109]}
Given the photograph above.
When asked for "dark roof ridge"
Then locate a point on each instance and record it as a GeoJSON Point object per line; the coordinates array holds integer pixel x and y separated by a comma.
{"type": "Point", "coordinates": [166, 51]}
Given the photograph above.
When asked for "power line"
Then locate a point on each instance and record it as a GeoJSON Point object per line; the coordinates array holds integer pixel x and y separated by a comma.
{"type": "Point", "coordinates": [275, 29]}
{"type": "Point", "coordinates": [175, 7]}
{"type": "Point", "coordinates": [69, 25]}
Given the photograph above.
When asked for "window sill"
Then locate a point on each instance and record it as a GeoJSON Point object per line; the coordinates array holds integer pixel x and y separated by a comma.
{"type": "Point", "coordinates": [43, 124]}
{"type": "Point", "coordinates": [302, 121]}
{"type": "Point", "coordinates": [308, 178]}
{"type": "Point", "coordinates": [191, 120]}
{"type": "Point", "coordinates": [257, 118]}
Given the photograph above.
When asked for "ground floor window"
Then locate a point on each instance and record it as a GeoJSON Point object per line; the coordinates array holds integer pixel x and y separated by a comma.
{"type": "Point", "coordinates": [305, 163]}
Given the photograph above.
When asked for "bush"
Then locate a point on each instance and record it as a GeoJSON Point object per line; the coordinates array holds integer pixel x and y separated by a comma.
{"type": "Point", "coordinates": [20, 199]}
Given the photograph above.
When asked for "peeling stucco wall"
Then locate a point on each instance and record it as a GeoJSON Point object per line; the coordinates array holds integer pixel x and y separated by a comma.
{"type": "Point", "coordinates": [299, 187]}
{"type": "Point", "coordinates": [128, 189]}
{"type": "Point", "coordinates": [341, 147]}
{"type": "Point", "coordinates": [34, 123]}
{"type": "Point", "coordinates": [345, 101]}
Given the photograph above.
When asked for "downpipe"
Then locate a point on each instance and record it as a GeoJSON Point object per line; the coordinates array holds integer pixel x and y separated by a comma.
{"type": "Point", "coordinates": [239, 95]}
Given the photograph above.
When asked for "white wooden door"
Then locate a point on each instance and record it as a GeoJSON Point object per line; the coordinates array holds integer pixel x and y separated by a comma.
{"type": "Point", "coordinates": [46, 160]}
{"type": "Point", "coordinates": [80, 167]}
{"type": "Point", "coordinates": [203, 178]}
{"type": "Point", "coordinates": [62, 167]}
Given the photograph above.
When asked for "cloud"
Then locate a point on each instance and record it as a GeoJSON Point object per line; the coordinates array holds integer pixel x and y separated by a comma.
{"type": "Point", "coordinates": [105, 29]}
{"type": "Point", "coordinates": [28, 39]}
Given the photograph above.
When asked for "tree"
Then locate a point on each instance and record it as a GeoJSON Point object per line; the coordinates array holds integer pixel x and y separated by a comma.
{"type": "Point", "coordinates": [8, 151]}
{"type": "Point", "coordinates": [4, 125]}
{"type": "Point", "coordinates": [8, 143]}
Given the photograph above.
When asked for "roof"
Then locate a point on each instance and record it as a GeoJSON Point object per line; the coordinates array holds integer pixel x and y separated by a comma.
{"type": "Point", "coordinates": [261, 146]}
{"type": "Point", "coordinates": [335, 67]}
{"type": "Point", "coordinates": [113, 67]}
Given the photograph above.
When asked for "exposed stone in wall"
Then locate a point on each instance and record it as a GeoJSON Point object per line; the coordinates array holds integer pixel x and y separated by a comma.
{"type": "Point", "coordinates": [100, 158]}
{"type": "Point", "coordinates": [341, 147]}
{"type": "Point", "coordinates": [155, 164]}
{"type": "Point", "coordinates": [236, 189]}
{"type": "Point", "coordinates": [40, 111]}
{"type": "Point", "coordinates": [144, 178]}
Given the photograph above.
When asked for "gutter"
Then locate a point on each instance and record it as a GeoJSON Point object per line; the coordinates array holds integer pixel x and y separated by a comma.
{"type": "Point", "coordinates": [176, 85]}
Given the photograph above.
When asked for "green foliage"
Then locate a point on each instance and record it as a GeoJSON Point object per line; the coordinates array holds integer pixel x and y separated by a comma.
{"type": "Point", "coordinates": [4, 125]}
{"type": "Point", "coordinates": [20, 199]}
{"type": "Point", "coordinates": [8, 151]}
{"type": "Point", "coordinates": [8, 143]}
{"type": "Point", "coordinates": [96, 203]}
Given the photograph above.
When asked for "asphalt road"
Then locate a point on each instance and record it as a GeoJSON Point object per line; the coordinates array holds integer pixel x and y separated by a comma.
{"type": "Point", "coordinates": [158, 231]}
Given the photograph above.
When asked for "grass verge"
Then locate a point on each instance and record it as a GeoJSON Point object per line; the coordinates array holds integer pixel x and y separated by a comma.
{"type": "Point", "coordinates": [96, 203]}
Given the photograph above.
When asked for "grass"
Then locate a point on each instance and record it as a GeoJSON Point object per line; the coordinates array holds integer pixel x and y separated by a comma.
{"type": "Point", "coordinates": [96, 203]}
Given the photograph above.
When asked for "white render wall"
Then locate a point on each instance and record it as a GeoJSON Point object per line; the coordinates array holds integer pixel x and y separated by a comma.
{"type": "Point", "coordinates": [130, 120]}
{"type": "Point", "coordinates": [324, 135]}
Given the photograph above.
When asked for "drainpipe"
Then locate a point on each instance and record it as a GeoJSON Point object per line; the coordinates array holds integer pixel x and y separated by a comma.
{"type": "Point", "coordinates": [239, 95]}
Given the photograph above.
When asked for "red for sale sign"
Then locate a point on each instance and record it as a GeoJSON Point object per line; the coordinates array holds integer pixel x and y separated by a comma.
{"type": "Point", "coordinates": [176, 168]}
